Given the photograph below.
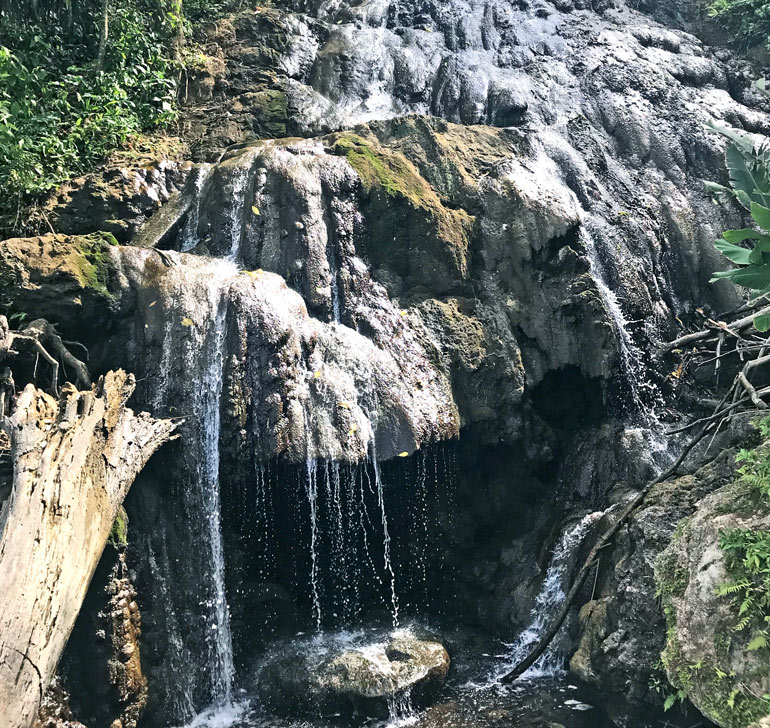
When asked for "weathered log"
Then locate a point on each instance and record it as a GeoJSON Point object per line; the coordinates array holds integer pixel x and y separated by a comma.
{"type": "Point", "coordinates": [74, 461]}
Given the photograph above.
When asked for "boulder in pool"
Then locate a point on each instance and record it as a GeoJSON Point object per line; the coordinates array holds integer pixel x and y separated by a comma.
{"type": "Point", "coordinates": [352, 675]}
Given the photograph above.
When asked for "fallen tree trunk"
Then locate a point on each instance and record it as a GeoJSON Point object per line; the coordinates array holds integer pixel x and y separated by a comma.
{"type": "Point", "coordinates": [74, 461]}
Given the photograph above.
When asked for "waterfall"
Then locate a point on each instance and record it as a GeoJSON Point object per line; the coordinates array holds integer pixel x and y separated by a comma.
{"type": "Point", "coordinates": [386, 537]}
{"type": "Point", "coordinates": [311, 485]}
{"type": "Point", "coordinates": [632, 365]}
{"type": "Point", "coordinates": [641, 396]}
{"type": "Point", "coordinates": [207, 408]}
{"type": "Point", "coordinates": [339, 525]}
{"type": "Point", "coordinates": [189, 235]}
{"type": "Point", "coordinates": [547, 604]}
{"type": "Point", "coordinates": [191, 364]}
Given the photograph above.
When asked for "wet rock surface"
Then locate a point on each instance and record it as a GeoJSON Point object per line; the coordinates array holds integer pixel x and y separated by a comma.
{"type": "Point", "coordinates": [337, 676]}
{"type": "Point", "coordinates": [623, 628]}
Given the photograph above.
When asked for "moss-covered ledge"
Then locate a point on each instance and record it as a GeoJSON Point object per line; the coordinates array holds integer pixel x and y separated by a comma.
{"type": "Point", "coordinates": [58, 277]}
{"type": "Point", "coordinates": [422, 239]}
{"type": "Point", "coordinates": [712, 656]}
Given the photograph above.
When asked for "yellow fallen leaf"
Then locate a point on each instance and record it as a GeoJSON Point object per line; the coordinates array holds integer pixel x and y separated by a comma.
{"type": "Point", "coordinates": [254, 273]}
{"type": "Point", "coordinates": [317, 375]}
{"type": "Point", "coordinates": [403, 454]}
{"type": "Point", "coordinates": [187, 322]}
{"type": "Point", "coordinates": [344, 405]}
{"type": "Point", "coordinates": [255, 209]}
{"type": "Point", "coordinates": [353, 428]}
{"type": "Point", "coordinates": [403, 313]}
{"type": "Point", "coordinates": [152, 304]}
{"type": "Point", "coordinates": [77, 301]}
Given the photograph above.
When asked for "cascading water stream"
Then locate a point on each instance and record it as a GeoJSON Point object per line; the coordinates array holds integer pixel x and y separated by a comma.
{"type": "Point", "coordinates": [195, 332]}
{"type": "Point", "coordinates": [632, 365]}
{"type": "Point", "coordinates": [311, 485]}
{"type": "Point", "coordinates": [386, 537]}
{"type": "Point", "coordinates": [223, 668]}
{"type": "Point", "coordinates": [547, 603]}
{"type": "Point", "coordinates": [641, 395]}
{"type": "Point", "coordinates": [189, 235]}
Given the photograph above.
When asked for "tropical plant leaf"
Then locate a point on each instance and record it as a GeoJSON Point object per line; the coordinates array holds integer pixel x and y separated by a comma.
{"type": "Point", "coordinates": [762, 323]}
{"type": "Point", "coordinates": [739, 236]}
{"type": "Point", "coordinates": [755, 277]}
{"type": "Point", "coordinates": [717, 189]}
{"type": "Point", "coordinates": [738, 138]}
{"type": "Point", "coordinates": [757, 643]}
{"type": "Point", "coordinates": [761, 215]}
{"type": "Point", "coordinates": [733, 253]}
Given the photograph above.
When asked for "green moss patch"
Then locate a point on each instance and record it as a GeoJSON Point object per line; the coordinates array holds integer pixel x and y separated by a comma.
{"type": "Point", "coordinates": [413, 232]}
{"type": "Point", "coordinates": [118, 537]}
{"type": "Point", "coordinates": [378, 167]}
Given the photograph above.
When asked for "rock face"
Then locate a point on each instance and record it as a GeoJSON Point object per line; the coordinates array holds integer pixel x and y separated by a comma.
{"type": "Point", "coordinates": [614, 102]}
{"type": "Point", "coordinates": [365, 679]}
{"type": "Point", "coordinates": [406, 221]}
{"type": "Point", "coordinates": [705, 656]}
{"type": "Point", "coordinates": [623, 630]}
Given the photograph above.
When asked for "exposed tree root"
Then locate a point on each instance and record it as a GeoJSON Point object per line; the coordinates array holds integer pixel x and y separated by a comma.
{"type": "Point", "coordinates": [41, 338]}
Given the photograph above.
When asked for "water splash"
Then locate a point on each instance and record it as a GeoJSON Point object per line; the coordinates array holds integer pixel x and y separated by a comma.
{"type": "Point", "coordinates": [401, 711]}
{"type": "Point", "coordinates": [547, 604]}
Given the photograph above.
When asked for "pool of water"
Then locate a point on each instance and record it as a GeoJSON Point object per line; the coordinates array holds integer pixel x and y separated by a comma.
{"type": "Point", "coordinates": [472, 698]}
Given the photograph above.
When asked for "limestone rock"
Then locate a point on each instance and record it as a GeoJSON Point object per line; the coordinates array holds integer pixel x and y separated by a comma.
{"type": "Point", "coordinates": [623, 630]}
{"type": "Point", "coordinates": [362, 679]}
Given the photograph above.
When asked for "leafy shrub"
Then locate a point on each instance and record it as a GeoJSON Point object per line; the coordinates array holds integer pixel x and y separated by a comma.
{"type": "Point", "coordinates": [746, 22]}
{"type": "Point", "coordinates": [60, 114]}
{"type": "Point", "coordinates": [748, 163]}
{"type": "Point", "coordinates": [747, 557]}
{"type": "Point", "coordinates": [747, 551]}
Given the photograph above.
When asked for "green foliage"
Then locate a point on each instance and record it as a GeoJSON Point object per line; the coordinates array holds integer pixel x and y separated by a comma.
{"type": "Point", "coordinates": [747, 557]}
{"type": "Point", "coordinates": [118, 537]}
{"type": "Point", "coordinates": [747, 551]}
{"type": "Point", "coordinates": [59, 114]}
{"type": "Point", "coordinates": [754, 466]}
{"type": "Point", "coordinates": [748, 248]}
{"type": "Point", "coordinates": [746, 22]}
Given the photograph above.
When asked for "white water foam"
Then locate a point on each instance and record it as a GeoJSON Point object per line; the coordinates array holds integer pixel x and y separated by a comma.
{"type": "Point", "coordinates": [547, 604]}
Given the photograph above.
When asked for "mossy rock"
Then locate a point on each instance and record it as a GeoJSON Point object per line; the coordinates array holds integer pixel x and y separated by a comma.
{"type": "Point", "coordinates": [706, 658]}
{"type": "Point", "coordinates": [412, 232]}
{"type": "Point", "coordinates": [118, 537]}
{"type": "Point", "coordinates": [62, 278]}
